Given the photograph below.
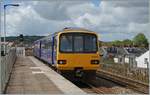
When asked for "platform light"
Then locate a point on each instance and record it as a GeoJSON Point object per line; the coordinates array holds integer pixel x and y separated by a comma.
{"type": "Point", "coordinates": [5, 6]}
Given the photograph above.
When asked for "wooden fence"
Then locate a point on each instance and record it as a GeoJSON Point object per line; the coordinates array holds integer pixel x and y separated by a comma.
{"type": "Point", "coordinates": [139, 74]}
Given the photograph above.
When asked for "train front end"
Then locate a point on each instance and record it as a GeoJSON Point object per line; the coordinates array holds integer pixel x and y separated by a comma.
{"type": "Point", "coordinates": [78, 53]}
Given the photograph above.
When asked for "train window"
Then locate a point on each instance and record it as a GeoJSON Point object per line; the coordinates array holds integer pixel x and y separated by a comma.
{"type": "Point", "coordinates": [90, 43]}
{"type": "Point", "coordinates": [55, 41]}
{"type": "Point", "coordinates": [78, 43]}
{"type": "Point", "coordinates": [45, 44]}
{"type": "Point", "coordinates": [66, 43]}
{"type": "Point", "coordinates": [48, 45]}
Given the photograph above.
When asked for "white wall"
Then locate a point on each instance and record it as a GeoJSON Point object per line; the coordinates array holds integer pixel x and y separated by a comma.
{"type": "Point", "coordinates": [116, 60]}
{"type": "Point", "coordinates": [126, 60]}
{"type": "Point", "coordinates": [141, 60]}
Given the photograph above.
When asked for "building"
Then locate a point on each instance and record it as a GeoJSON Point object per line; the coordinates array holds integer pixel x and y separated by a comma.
{"type": "Point", "coordinates": [119, 59]}
{"type": "Point", "coordinates": [112, 51]}
{"type": "Point", "coordinates": [7, 47]}
{"type": "Point", "coordinates": [143, 60]}
{"type": "Point", "coordinates": [129, 56]}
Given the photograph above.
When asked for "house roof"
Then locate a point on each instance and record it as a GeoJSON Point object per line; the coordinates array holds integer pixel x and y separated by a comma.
{"type": "Point", "coordinates": [124, 51]}
{"type": "Point", "coordinates": [145, 54]}
{"type": "Point", "coordinates": [114, 50]}
{"type": "Point", "coordinates": [135, 51]}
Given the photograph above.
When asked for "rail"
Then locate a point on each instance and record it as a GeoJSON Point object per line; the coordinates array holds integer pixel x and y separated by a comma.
{"type": "Point", "coordinates": [95, 89]}
{"type": "Point", "coordinates": [6, 64]}
{"type": "Point", "coordinates": [130, 83]}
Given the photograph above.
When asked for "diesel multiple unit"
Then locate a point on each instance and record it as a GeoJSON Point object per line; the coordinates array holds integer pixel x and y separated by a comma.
{"type": "Point", "coordinates": [72, 51]}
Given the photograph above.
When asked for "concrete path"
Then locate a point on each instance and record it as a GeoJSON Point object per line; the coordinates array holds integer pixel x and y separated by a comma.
{"type": "Point", "coordinates": [31, 76]}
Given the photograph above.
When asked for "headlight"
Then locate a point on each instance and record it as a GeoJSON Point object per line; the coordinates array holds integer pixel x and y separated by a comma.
{"type": "Point", "coordinates": [61, 61]}
{"type": "Point", "coordinates": [94, 61]}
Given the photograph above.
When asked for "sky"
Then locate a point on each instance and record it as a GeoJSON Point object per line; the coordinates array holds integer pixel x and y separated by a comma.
{"type": "Point", "coordinates": [111, 19]}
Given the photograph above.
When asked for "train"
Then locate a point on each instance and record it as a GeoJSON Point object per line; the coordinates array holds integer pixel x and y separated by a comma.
{"type": "Point", "coordinates": [71, 51]}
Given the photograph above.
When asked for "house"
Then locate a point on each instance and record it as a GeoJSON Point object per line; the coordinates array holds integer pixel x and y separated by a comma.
{"type": "Point", "coordinates": [130, 59]}
{"type": "Point", "coordinates": [143, 61]}
{"type": "Point", "coordinates": [132, 53]}
{"type": "Point", "coordinates": [5, 46]}
{"type": "Point", "coordinates": [124, 55]}
{"type": "Point", "coordinates": [119, 59]}
{"type": "Point", "coordinates": [128, 55]}
{"type": "Point", "coordinates": [135, 51]}
{"type": "Point", "coordinates": [111, 52]}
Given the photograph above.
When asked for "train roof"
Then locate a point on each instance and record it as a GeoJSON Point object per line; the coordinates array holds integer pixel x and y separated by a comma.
{"type": "Point", "coordinates": [76, 28]}
{"type": "Point", "coordinates": [67, 29]}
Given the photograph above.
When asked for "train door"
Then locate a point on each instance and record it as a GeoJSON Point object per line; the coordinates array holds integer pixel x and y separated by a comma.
{"type": "Point", "coordinates": [54, 50]}
{"type": "Point", "coordinates": [40, 49]}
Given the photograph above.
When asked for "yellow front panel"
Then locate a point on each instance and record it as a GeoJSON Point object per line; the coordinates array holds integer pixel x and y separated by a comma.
{"type": "Point", "coordinates": [78, 60]}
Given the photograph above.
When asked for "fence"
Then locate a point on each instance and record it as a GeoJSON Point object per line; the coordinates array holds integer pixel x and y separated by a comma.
{"type": "Point", "coordinates": [20, 51]}
{"type": "Point", "coordinates": [139, 74]}
{"type": "Point", "coordinates": [6, 65]}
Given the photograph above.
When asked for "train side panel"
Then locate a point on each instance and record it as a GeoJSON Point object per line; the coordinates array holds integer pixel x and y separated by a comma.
{"type": "Point", "coordinates": [48, 50]}
{"type": "Point", "coordinates": [37, 49]}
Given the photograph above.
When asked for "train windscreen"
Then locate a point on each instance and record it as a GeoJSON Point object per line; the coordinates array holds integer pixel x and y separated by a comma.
{"type": "Point", "coordinates": [78, 42]}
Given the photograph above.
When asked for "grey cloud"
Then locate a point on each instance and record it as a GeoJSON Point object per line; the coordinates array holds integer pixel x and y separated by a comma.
{"type": "Point", "coordinates": [56, 9]}
{"type": "Point", "coordinates": [113, 21]}
{"type": "Point", "coordinates": [28, 22]}
{"type": "Point", "coordinates": [129, 3]}
{"type": "Point", "coordinates": [138, 15]}
{"type": "Point", "coordinates": [126, 10]}
{"type": "Point", "coordinates": [52, 11]}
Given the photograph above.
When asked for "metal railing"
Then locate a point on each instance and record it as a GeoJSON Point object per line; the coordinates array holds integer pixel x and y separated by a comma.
{"type": "Point", "coordinates": [6, 64]}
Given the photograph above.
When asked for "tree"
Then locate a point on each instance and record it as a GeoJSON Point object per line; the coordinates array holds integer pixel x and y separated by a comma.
{"type": "Point", "coordinates": [140, 40]}
{"type": "Point", "coordinates": [117, 43]}
{"type": "Point", "coordinates": [127, 42]}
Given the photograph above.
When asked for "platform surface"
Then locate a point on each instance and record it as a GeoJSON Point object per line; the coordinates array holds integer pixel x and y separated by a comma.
{"type": "Point", "coordinates": [31, 76]}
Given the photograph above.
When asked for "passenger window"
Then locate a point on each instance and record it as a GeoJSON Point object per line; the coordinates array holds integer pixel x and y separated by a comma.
{"type": "Point", "coordinates": [90, 43]}
{"type": "Point", "coordinates": [78, 43]}
{"type": "Point", "coordinates": [55, 43]}
{"type": "Point", "coordinates": [66, 43]}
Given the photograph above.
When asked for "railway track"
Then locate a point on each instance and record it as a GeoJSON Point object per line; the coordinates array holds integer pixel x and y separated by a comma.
{"type": "Point", "coordinates": [129, 83]}
{"type": "Point", "coordinates": [118, 80]}
{"type": "Point", "coordinates": [91, 88]}
{"type": "Point", "coordinates": [95, 89]}
{"type": "Point", "coordinates": [88, 87]}
{"type": "Point", "coordinates": [102, 86]}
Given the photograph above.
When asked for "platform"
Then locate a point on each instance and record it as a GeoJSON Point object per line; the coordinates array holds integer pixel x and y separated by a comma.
{"type": "Point", "coordinates": [31, 76]}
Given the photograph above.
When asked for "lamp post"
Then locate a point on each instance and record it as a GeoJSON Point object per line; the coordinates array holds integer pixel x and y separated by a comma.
{"type": "Point", "coordinates": [15, 5]}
